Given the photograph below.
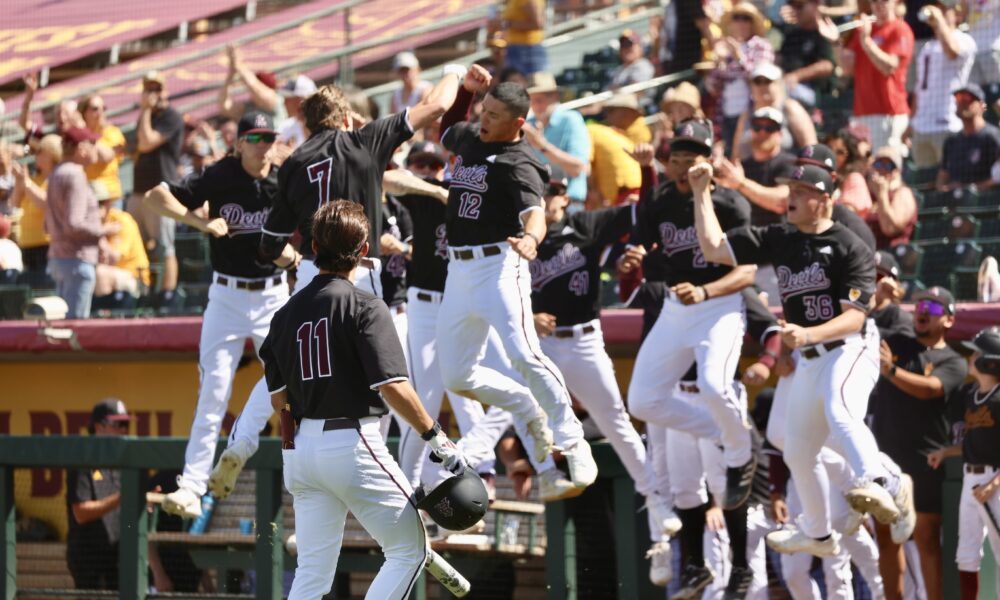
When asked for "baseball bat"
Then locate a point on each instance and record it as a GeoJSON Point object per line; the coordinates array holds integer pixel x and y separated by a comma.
{"type": "Point", "coordinates": [448, 575]}
{"type": "Point", "coordinates": [989, 513]}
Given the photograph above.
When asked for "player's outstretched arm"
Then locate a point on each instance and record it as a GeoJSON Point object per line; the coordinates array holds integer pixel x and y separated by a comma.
{"type": "Point", "coordinates": [440, 98]}
{"type": "Point", "coordinates": [710, 235]}
{"type": "Point", "coordinates": [403, 183]}
{"type": "Point", "coordinates": [162, 202]}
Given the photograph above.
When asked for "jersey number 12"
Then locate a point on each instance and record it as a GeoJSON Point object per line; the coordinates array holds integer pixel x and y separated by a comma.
{"type": "Point", "coordinates": [320, 174]}
{"type": "Point", "coordinates": [314, 336]}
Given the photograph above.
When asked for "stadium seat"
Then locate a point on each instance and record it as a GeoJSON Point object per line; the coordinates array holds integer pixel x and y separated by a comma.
{"type": "Point", "coordinates": [919, 178]}
{"type": "Point", "coordinates": [9, 277]}
{"type": "Point", "coordinates": [962, 227]}
{"type": "Point", "coordinates": [930, 228]}
{"type": "Point", "coordinates": [941, 259]}
{"type": "Point", "coordinates": [936, 203]}
{"type": "Point", "coordinates": [909, 257]}
{"type": "Point", "coordinates": [36, 280]}
{"type": "Point", "coordinates": [964, 283]}
{"type": "Point", "coordinates": [12, 301]}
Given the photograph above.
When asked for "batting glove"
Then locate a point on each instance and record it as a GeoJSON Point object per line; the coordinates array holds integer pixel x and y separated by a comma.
{"type": "Point", "coordinates": [444, 451]}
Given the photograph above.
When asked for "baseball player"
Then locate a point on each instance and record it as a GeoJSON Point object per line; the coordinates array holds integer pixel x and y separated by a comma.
{"type": "Point", "coordinates": [244, 294]}
{"type": "Point", "coordinates": [495, 196]}
{"type": "Point", "coordinates": [565, 283]}
{"type": "Point", "coordinates": [427, 271]}
{"type": "Point", "coordinates": [979, 508]}
{"type": "Point", "coordinates": [827, 277]}
{"type": "Point", "coordinates": [337, 161]}
{"type": "Point", "coordinates": [334, 360]}
{"type": "Point", "coordinates": [702, 318]}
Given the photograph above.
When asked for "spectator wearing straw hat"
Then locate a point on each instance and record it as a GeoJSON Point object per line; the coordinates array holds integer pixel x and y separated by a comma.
{"type": "Point", "coordinates": [614, 176]}
{"type": "Point", "coordinates": [623, 112]}
{"type": "Point", "coordinates": [407, 69]}
{"type": "Point", "coordinates": [678, 104]}
{"type": "Point", "coordinates": [560, 136]}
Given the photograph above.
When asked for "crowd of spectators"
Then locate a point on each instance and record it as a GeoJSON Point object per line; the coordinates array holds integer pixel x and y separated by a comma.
{"type": "Point", "coordinates": [914, 80]}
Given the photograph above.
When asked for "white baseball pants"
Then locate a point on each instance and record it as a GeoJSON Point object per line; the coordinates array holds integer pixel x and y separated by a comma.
{"type": "Point", "coordinates": [425, 374]}
{"type": "Point", "coordinates": [974, 523]}
{"type": "Point", "coordinates": [332, 472]}
{"type": "Point", "coordinates": [245, 436]}
{"type": "Point", "coordinates": [711, 333]}
{"type": "Point", "coordinates": [495, 291]}
{"type": "Point", "coordinates": [590, 377]}
{"type": "Point", "coordinates": [829, 398]}
{"type": "Point", "coordinates": [231, 316]}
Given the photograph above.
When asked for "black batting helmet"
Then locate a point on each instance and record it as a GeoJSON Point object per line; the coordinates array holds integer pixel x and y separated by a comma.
{"type": "Point", "coordinates": [987, 344]}
{"type": "Point", "coordinates": [458, 503]}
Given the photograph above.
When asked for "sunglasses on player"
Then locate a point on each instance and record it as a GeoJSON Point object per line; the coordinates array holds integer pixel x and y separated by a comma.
{"type": "Point", "coordinates": [934, 309]}
{"type": "Point", "coordinates": [256, 138]}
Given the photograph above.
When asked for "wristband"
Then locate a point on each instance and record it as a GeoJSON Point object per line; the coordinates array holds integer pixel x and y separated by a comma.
{"type": "Point", "coordinates": [291, 263]}
{"type": "Point", "coordinates": [406, 248]}
{"type": "Point", "coordinates": [704, 292]}
{"type": "Point", "coordinates": [431, 433]}
{"type": "Point", "coordinates": [538, 242]}
{"type": "Point", "coordinates": [892, 371]}
{"type": "Point", "coordinates": [456, 70]}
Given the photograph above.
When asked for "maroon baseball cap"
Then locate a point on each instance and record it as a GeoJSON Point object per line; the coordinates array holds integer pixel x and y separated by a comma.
{"type": "Point", "coordinates": [810, 175]}
{"type": "Point", "coordinates": [692, 136]}
{"type": "Point", "coordinates": [76, 135]}
{"type": "Point", "coordinates": [255, 122]}
{"type": "Point", "coordinates": [819, 155]}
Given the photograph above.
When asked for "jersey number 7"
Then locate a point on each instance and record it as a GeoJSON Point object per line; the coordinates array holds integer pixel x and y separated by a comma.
{"type": "Point", "coordinates": [310, 335]}
{"type": "Point", "coordinates": [320, 174]}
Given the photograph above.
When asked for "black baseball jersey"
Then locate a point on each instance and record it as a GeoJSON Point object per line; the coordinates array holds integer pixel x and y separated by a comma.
{"type": "Point", "coordinates": [667, 219]}
{"type": "Point", "coordinates": [908, 428]}
{"type": "Point", "coordinates": [850, 219]}
{"type": "Point", "coordinates": [329, 348]}
{"type": "Point", "coordinates": [566, 277]}
{"type": "Point", "coordinates": [981, 443]}
{"type": "Point", "coordinates": [244, 202]}
{"type": "Point", "coordinates": [429, 261]}
{"type": "Point", "coordinates": [86, 485]}
{"type": "Point", "coordinates": [336, 165]}
{"type": "Point", "coordinates": [817, 273]}
{"type": "Point", "coordinates": [396, 222]}
{"type": "Point", "coordinates": [492, 185]}
{"type": "Point", "coordinates": [892, 320]}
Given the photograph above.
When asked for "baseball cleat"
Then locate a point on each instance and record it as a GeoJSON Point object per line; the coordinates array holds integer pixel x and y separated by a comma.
{"type": "Point", "coordinates": [739, 484]}
{"type": "Point", "coordinates": [542, 439]}
{"type": "Point", "coordinates": [873, 499]}
{"type": "Point", "coordinates": [553, 485]}
{"type": "Point", "coordinates": [791, 540]}
{"type": "Point", "coordinates": [582, 468]}
{"type": "Point", "coordinates": [740, 579]}
{"type": "Point", "coordinates": [902, 527]}
{"type": "Point", "coordinates": [183, 503]}
{"type": "Point", "coordinates": [222, 481]}
{"type": "Point", "coordinates": [663, 513]}
{"type": "Point", "coordinates": [660, 571]}
{"type": "Point", "coordinates": [694, 580]}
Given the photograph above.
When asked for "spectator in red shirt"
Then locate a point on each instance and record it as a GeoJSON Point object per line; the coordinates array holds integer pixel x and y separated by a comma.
{"type": "Point", "coordinates": [893, 214]}
{"type": "Point", "coordinates": [879, 54]}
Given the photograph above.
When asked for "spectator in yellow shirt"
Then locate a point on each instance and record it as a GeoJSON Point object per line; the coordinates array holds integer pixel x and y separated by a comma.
{"type": "Point", "coordinates": [614, 175]}
{"type": "Point", "coordinates": [103, 174]}
{"type": "Point", "coordinates": [523, 23]}
{"type": "Point", "coordinates": [123, 266]}
{"type": "Point", "coordinates": [29, 196]}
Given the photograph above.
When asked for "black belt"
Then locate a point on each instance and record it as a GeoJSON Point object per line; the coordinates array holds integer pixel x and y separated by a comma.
{"type": "Point", "coordinates": [470, 254]}
{"type": "Point", "coordinates": [979, 469]}
{"type": "Point", "coordinates": [341, 423]}
{"type": "Point", "coordinates": [568, 333]}
{"type": "Point", "coordinates": [690, 388]}
{"type": "Point", "coordinates": [253, 285]}
{"type": "Point", "coordinates": [425, 297]}
{"type": "Point", "coordinates": [812, 352]}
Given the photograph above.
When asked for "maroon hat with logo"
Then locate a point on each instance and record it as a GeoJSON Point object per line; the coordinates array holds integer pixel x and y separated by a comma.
{"type": "Point", "coordinates": [255, 122]}
{"type": "Point", "coordinates": [810, 175]}
{"type": "Point", "coordinates": [76, 135]}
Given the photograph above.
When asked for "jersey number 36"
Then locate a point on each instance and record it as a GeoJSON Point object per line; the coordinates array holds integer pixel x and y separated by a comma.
{"type": "Point", "coordinates": [314, 349]}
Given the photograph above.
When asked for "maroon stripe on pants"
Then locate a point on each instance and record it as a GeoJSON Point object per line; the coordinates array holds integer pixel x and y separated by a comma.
{"type": "Point", "coordinates": [413, 504]}
{"type": "Point", "coordinates": [844, 383]}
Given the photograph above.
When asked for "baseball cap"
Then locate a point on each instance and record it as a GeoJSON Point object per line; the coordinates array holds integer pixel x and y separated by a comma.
{"type": "Point", "coordinates": [971, 88]}
{"type": "Point", "coordinates": [267, 78]}
{"type": "Point", "coordinates": [300, 87]}
{"type": "Point", "coordinates": [111, 409]}
{"type": "Point", "coordinates": [692, 136]}
{"type": "Point", "coordinates": [541, 83]}
{"type": "Point", "coordinates": [886, 264]}
{"type": "Point", "coordinates": [819, 155]}
{"type": "Point", "coordinates": [629, 36]}
{"type": "Point", "coordinates": [810, 175]}
{"type": "Point", "coordinates": [939, 295]}
{"type": "Point", "coordinates": [255, 122]}
{"type": "Point", "coordinates": [76, 135]}
{"type": "Point", "coordinates": [557, 177]}
{"type": "Point", "coordinates": [769, 71]}
{"type": "Point", "coordinates": [890, 153]}
{"type": "Point", "coordinates": [769, 113]}
{"type": "Point", "coordinates": [428, 151]}
{"type": "Point", "coordinates": [405, 60]}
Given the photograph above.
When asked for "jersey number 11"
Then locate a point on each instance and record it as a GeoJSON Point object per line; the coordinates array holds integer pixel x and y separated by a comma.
{"type": "Point", "coordinates": [307, 334]}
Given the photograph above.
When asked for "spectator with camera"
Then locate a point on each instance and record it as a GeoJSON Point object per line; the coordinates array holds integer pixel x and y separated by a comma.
{"type": "Point", "coordinates": [969, 154]}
